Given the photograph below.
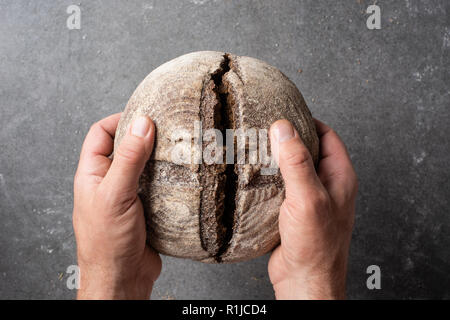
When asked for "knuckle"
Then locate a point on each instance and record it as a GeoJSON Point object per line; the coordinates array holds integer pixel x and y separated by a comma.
{"type": "Point", "coordinates": [94, 126]}
{"type": "Point", "coordinates": [106, 197]}
{"type": "Point", "coordinates": [299, 159]}
{"type": "Point", "coordinates": [318, 201]}
{"type": "Point", "coordinates": [112, 201]}
{"type": "Point", "coordinates": [332, 132]}
{"type": "Point", "coordinates": [315, 207]}
{"type": "Point", "coordinates": [130, 153]}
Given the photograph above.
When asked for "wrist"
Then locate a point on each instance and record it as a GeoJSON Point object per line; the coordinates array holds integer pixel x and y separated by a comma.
{"type": "Point", "coordinates": [321, 287]}
{"type": "Point", "coordinates": [98, 283]}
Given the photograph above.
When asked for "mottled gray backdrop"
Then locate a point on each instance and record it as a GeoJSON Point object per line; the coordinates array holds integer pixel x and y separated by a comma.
{"type": "Point", "coordinates": [385, 91]}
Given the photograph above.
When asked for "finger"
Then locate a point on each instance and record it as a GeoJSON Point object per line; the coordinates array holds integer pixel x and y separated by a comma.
{"type": "Point", "coordinates": [294, 160]}
{"type": "Point", "coordinates": [130, 158]}
{"type": "Point", "coordinates": [335, 168]}
{"type": "Point", "coordinates": [97, 146]}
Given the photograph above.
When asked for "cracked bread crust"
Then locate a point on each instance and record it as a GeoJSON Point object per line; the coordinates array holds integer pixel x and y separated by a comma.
{"type": "Point", "coordinates": [188, 207]}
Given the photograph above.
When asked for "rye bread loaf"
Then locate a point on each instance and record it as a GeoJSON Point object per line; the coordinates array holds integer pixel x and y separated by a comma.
{"type": "Point", "coordinates": [217, 212]}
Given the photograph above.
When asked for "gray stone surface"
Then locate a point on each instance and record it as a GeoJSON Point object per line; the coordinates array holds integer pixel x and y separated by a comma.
{"type": "Point", "coordinates": [385, 91]}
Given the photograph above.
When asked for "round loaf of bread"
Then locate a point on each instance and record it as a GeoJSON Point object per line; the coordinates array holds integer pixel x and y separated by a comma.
{"type": "Point", "coordinates": [214, 212]}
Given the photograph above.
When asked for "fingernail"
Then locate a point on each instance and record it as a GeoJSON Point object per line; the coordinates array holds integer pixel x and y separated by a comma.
{"type": "Point", "coordinates": [140, 127]}
{"type": "Point", "coordinates": [283, 131]}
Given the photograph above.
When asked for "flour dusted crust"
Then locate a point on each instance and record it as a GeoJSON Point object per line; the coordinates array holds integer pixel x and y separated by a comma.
{"type": "Point", "coordinates": [186, 205]}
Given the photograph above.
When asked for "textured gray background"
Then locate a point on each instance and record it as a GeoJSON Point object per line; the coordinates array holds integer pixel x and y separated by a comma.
{"type": "Point", "coordinates": [385, 91]}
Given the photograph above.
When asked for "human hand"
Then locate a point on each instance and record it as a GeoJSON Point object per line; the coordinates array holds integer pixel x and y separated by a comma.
{"type": "Point", "coordinates": [316, 217]}
{"type": "Point", "coordinates": [108, 216]}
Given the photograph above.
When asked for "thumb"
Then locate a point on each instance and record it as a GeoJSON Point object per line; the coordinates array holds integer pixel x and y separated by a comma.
{"type": "Point", "coordinates": [131, 156]}
{"type": "Point", "coordinates": [294, 160]}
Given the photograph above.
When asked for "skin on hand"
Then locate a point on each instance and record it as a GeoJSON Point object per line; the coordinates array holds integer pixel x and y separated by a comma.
{"type": "Point", "coordinates": [108, 216]}
{"type": "Point", "coordinates": [316, 217]}
{"type": "Point", "coordinates": [315, 221]}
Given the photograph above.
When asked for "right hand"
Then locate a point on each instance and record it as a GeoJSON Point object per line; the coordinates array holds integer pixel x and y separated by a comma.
{"type": "Point", "coordinates": [316, 218]}
{"type": "Point", "coordinates": [108, 216]}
